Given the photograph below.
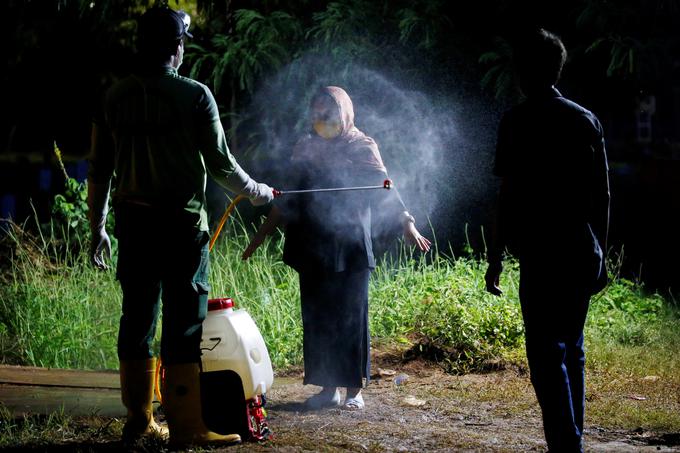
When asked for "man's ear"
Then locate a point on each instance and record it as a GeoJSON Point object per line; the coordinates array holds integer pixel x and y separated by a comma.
{"type": "Point", "coordinates": [179, 55]}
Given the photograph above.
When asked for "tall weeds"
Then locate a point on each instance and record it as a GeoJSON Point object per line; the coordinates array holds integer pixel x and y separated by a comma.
{"type": "Point", "coordinates": [57, 311]}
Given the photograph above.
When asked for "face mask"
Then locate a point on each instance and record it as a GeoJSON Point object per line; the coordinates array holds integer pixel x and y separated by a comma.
{"type": "Point", "coordinates": [327, 130]}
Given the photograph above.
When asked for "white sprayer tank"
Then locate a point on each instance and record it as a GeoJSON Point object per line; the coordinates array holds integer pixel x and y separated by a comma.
{"type": "Point", "coordinates": [232, 341]}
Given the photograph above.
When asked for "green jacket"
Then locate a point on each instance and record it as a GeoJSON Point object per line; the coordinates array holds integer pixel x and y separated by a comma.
{"type": "Point", "coordinates": [156, 136]}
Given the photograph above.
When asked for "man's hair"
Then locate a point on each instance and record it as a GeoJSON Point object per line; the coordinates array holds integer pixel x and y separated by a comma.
{"type": "Point", "coordinates": [539, 57]}
{"type": "Point", "coordinates": [160, 31]}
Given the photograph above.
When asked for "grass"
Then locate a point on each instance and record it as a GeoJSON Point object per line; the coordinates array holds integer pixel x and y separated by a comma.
{"type": "Point", "coordinates": [634, 373]}
{"type": "Point", "coordinates": [63, 313]}
{"type": "Point", "coordinates": [54, 427]}
{"type": "Point", "coordinates": [57, 311]}
{"type": "Point", "coordinates": [264, 286]}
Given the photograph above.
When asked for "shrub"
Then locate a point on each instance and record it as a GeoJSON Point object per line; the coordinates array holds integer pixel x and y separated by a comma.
{"type": "Point", "coordinates": [60, 312]}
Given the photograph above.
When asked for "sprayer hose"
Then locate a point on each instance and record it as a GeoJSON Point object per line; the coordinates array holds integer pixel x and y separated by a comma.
{"type": "Point", "coordinates": [213, 239]}
{"type": "Point", "coordinates": [224, 218]}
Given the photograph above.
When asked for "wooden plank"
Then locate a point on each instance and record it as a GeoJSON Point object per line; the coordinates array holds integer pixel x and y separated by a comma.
{"type": "Point", "coordinates": [24, 399]}
{"type": "Point", "coordinates": [19, 375]}
{"type": "Point", "coordinates": [31, 390]}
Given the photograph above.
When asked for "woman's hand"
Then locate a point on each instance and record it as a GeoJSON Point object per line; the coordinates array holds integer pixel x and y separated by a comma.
{"type": "Point", "coordinates": [257, 240]}
{"type": "Point", "coordinates": [413, 237]}
{"type": "Point", "coordinates": [273, 220]}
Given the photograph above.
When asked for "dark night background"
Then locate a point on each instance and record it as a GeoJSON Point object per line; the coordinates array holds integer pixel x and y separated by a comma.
{"type": "Point", "coordinates": [624, 65]}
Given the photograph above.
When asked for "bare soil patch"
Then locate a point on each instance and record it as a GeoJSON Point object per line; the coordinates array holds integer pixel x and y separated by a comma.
{"type": "Point", "coordinates": [415, 406]}
{"type": "Point", "coordinates": [411, 406]}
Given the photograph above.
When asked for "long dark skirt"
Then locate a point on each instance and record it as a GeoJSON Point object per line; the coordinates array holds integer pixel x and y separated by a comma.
{"type": "Point", "coordinates": [335, 328]}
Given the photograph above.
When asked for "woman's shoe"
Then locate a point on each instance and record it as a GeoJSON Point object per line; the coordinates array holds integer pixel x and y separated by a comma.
{"type": "Point", "coordinates": [355, 403]}
{"type": "Point", "coordinates": [323, 399]}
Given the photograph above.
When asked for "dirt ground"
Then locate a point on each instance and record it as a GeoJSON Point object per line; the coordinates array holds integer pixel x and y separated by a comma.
{"type": "Point", "coordinates": [432, 411]}
{"type": "Point", "coordinates": [410, 407]}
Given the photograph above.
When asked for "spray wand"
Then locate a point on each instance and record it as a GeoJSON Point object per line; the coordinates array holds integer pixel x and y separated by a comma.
{"type": "Point", "coordinates": [387, 184]}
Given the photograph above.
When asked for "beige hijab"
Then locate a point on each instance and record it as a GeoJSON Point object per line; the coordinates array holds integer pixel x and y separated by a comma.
{"type": "Point", "coordinates": [351, 149]}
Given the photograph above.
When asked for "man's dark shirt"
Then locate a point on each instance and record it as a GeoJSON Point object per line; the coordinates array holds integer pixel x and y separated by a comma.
{"type": "Point", "coordinates": [555, 189]}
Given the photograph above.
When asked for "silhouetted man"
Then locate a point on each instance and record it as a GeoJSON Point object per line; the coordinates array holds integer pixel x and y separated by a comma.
{"type": "Point", "coordinates": [157, 137]}
{"type": "Point", "coordinates": [554, 214]}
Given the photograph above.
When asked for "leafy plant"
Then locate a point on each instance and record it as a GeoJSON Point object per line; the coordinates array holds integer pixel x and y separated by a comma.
{"type": "Point", "coordinates": [499, 78]}
{"type": "Point", "coordinates": [64, 313]}
{"type": "Point", "coordinates": [70, 208]}
{"type": "Point", "coordinates": [424, 22]}
{"type": "Point", "coordinates": [260, 43]}
{"type": "Point", "coordinates": [463, 327]}
{"type": "Point", "coordinates": [625, 314]}
{"type": "Point", "coordinates": [345, 29]}
{"type": "Point", "coordinates": [623, 51]}
{"type": "Point", "coordinates": [640, 41]}
{"type": "Point", "coordinates": [70, 227]}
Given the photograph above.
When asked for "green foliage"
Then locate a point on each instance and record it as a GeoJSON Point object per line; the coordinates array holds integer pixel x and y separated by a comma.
{"type": "Point", "coordinates": [639, 40]}
{"type": "Point", "coordinates": [628, 297]}
{"type": "Point", "coordinates": [260, 44]}
{"type": "Point", "coordinates": [625, 315]}
{"type": "Point", "coordinates": [63, 313]}
{"type": "Point", "coordinates": [69, 229]}
{"type": "Point", "coordinates": [44, 432]}
{"type": "Point", "coordinates": [467, 336]}
{"type": "Point", "coordinates": [339, 34]}
{"type": "Point", "coordinates": [14, 431]}
{"type": "Point", "coordinates": [345, 29]}
{"type": "Point", "coordinates": [70, 209]}
{"type": "Point", "coordinates": [379, 33]}
{"type": "Point", "coordinates": [633, 43]}
{"type": "Point", "coordinates": [57, 310]}
{"type": "Point", "coordinates": [499, 78]}
{"type": "Point", "coordinates": [623, 51]}
{"type": "Point", "coordinates": [459, 324]}
{"type": "Point", "coordinates": [265, 287]}
{"type": "Point", "coordinates": [423, 22]}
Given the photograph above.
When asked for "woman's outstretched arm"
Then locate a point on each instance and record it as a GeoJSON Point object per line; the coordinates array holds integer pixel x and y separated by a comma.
{"type": "Point", "coordinates": [273, 220]}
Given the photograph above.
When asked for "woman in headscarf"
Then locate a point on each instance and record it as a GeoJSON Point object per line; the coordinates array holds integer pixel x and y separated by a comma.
{"type": "Point", "coordinates": [328, 242]}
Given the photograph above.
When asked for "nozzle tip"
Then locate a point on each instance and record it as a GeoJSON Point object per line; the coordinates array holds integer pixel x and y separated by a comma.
{"type": "Point", "coordinates": [387, 184]}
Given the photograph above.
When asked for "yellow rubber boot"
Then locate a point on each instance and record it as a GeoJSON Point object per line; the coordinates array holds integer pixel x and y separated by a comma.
{"type": "Point", "coordinates": [137, 380]}
{"type": "Point", "coordinates": [182, 405]}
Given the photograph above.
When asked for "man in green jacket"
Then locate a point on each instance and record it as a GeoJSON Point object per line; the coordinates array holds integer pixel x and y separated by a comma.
{"type": "Point", "coordinates": [157, 137]}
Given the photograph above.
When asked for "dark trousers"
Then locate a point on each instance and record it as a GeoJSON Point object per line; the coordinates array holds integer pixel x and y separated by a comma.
{"type": "Point", "coordinates": [336, 340]}
{"type": "Point", "coordinates": [160, 259]}
{"type": "Point", "coordinates": [554, 315]}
